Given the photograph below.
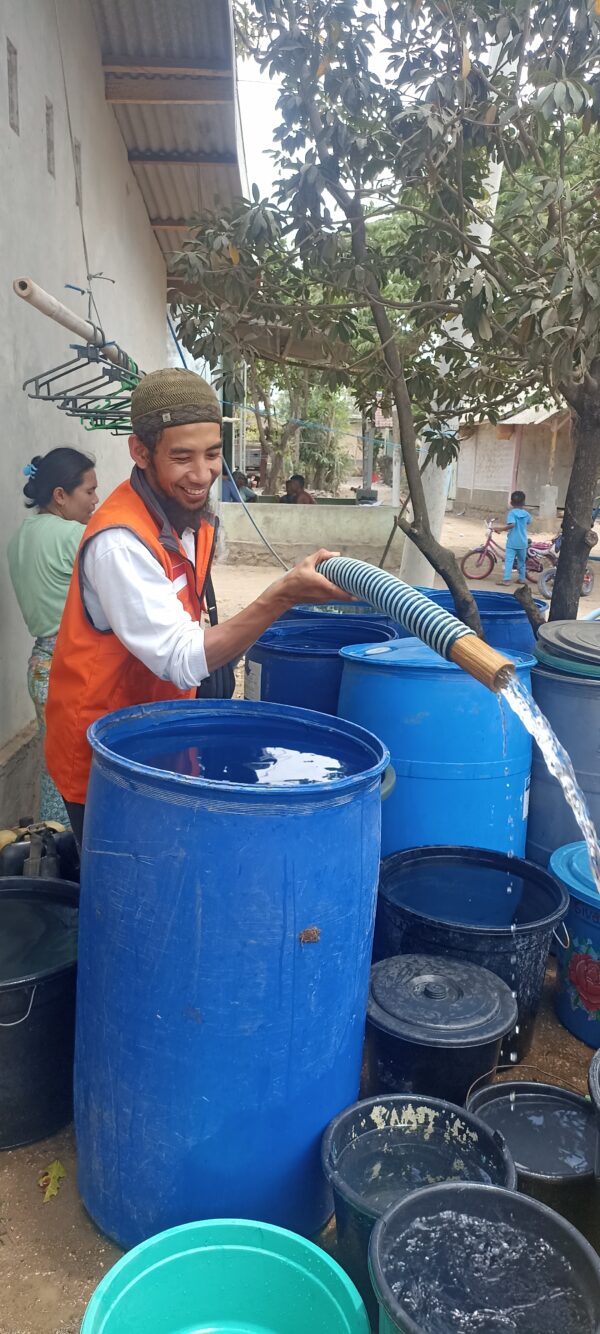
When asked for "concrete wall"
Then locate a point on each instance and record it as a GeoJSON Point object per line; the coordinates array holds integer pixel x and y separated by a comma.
{"type": "Point", "coordinates": [297, 530]}
{"type": "Point", "coordinates": [41, 236]}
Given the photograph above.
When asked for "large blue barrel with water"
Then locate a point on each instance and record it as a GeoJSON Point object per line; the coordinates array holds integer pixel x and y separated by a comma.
{"type": "Point", "coordinates": [297, 661]}
{"type": "Point", "coordinates": [462, 758]}
{"type": "Point", "coordinates": [230, 863]}
{"type": "Point", "coordinates": [504, 623]}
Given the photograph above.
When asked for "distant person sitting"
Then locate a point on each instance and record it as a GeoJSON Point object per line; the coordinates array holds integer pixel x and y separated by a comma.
{"type": "Point", "coordinates": [234, 487]}
{"type": "Point", "coordinates": [517, 522]}
{"type": "Point", "coordinates": [244, 489]}
{"type": "Point", "coordinates": [297, 490]}
{"type": "Point", "coordinates": [288, 498]}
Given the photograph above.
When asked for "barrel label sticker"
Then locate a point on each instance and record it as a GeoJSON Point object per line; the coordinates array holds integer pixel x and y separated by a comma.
{"type": "Point", "coordinates": [526, 799]}
{"type": "Point", "coordinates": [252, 680]}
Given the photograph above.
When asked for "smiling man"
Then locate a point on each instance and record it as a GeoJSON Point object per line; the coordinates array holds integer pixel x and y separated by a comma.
{"type": "Point", "coordinates": [132, 629]}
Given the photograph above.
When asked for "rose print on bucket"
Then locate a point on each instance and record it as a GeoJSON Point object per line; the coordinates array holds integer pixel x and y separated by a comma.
{"type": "Point", "coordinates": [584, 975]}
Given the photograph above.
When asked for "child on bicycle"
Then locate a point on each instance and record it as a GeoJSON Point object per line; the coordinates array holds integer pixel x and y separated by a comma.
{"type": "Point", "coordinates": [517, 521]}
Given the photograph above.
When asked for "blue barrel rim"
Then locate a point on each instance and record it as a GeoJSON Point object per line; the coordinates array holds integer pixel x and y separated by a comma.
{"type": "Point", "coordinates": [276, 638]}
{"type": "Point", "coordinates": [515, 865]}
{"type": "Point", "coordinates": [54, 890]}
{"type": "Point", "coordinates": [334, 1176]}
{"type": "Point", "coordinates": [384, 656]}
{"type": "Point", "coordinates": [267, 794]}
{"type": "Point", "coordinates": [446, 1190]}
{"type": "Point", "coordinates": [302, 1245]}
{"type": "Point", "coordinates": [485, 599]}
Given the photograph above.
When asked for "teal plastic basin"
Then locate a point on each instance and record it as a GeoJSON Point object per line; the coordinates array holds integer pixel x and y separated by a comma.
{"type": "Point", "coordinates": [226, 1277]}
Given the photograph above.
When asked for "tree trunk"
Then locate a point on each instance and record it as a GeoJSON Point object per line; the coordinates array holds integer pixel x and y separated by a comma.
{"type": "Point", "coordinates": [275, 471]}
{"type": "Point", "coordinates": [414, 568]}
{"type": "Point", "coordinates": [578, 537]}
{"type": "Point", "coordinates": [523, 596]}
{"type": "Point", "coordinates": [262, 434]}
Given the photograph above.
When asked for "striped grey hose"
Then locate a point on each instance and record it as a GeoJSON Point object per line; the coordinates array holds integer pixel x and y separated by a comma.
{"type": "Point", "coordinates": [436, 627]}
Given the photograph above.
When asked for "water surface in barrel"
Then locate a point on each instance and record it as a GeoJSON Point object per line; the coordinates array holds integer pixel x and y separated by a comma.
{"type": "Point", "coordinates": [386, 1164]}
{"type": "Point", "coordinates": [544, 1134]}
{"type": "Point", "coordinates": [461, 892]}
{"type": "Point", "coordinates": [227, 760]}
{"type": "Point", "coordinates": [456, 1274]}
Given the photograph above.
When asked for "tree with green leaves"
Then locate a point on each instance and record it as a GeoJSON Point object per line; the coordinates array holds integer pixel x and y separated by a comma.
{"type": "Point", "coordinates": [399, 111]}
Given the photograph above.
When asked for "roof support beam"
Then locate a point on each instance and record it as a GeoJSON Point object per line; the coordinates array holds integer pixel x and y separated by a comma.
{"type": "Point", "coordinates": [173, 159]}
{"type": "Point", "coordinates": [165, 89]}
{"type": "Point", "coordinates": [157, 66]}
{"type": "Point", "coordinates": [170, 224]}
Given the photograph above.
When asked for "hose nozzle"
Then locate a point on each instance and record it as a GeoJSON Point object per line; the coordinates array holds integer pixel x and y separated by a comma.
{"type": "Point", "coordinates": [484, 663]}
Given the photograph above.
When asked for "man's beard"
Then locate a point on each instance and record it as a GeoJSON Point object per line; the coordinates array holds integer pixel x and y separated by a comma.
{"type": "Point", "coordinates": [181, 518]}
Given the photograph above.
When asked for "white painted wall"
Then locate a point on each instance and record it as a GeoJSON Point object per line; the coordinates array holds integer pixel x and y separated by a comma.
{"type": "Point", "coordinates": [41, 237]}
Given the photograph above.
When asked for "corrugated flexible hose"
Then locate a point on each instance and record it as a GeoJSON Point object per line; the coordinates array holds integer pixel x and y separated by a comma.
{"type": "Point", "coordinates": [436, 627]}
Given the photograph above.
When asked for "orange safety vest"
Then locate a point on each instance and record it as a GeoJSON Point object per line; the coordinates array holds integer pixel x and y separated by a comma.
{"type": "Point", "coordinates": [92, 672]}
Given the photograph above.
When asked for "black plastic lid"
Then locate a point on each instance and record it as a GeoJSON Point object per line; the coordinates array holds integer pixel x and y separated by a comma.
{"type": "Point", "coordinates": [579, 640]}
{"type": "Point", "coordinates": [440, 1002]}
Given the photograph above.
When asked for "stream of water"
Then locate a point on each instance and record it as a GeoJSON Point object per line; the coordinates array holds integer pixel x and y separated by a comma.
{"type": "Point", "coordinates": [558, 763]}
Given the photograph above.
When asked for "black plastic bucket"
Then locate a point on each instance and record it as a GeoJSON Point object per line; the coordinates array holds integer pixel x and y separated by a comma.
{"type": "Point", "coordinates": [38, 945]}
{"type": "Point", "coordinates": [552, 1136]}
{"type": "Point", "coordinates": [466, 1257]}
{"type": "Point", "coordinates": [480, 906]}
{"type": "Point", "coordinates": [380, 1149]}
{"type": "Point", "coordinates": [434, 1025]}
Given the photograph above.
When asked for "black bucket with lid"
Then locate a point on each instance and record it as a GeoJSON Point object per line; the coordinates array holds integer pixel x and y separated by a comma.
{"type": "Point", "coordinates": [452, 1259]}
{"type": "Point", "coordinates": [380, 1149]}
{"type": "Point", "coordinates": [434, 1025]}
{"type": "Point", "coordinates": [552, 1135]}
{"type": "Point", "coordinates": [479, 906]}
{"type": "Point", "coordinates": [38, 952]}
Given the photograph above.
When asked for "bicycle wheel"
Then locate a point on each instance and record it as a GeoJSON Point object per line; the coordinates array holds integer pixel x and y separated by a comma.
{"type": "Point", "coordinates": [546, 581]}
{"type": "Point", "coordinates": [477, 564]}
{"type": "Point", "coordinates": [533, 569]}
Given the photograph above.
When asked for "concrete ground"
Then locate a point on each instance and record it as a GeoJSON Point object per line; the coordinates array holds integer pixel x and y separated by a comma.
{"type": "Point", "coordinates": [51, 1255]}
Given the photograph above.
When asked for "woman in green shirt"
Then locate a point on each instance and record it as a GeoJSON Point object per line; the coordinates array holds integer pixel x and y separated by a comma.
{"type": "Point", "coordinates": [61, 494]}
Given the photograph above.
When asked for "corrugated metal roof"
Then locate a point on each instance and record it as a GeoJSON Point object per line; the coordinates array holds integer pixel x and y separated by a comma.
{"type": "Point", "coordinates": [189, 34]}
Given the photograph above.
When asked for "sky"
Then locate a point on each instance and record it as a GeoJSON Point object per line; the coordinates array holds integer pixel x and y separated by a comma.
{"type": "Point", "coordinates": [258, 96]}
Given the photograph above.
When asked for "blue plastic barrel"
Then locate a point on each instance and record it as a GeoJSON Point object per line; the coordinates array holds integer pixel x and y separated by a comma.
{"type": "Point", "coordinates": [297, 661]}
{"type": "Point", "coordinates": [462, 758]}
{"type": "Point", "coordinates": [504, 623]}
{"type": "Point", "coordinates": [578, 955]}
{"type": "Point", "coordinates": [229, 876]}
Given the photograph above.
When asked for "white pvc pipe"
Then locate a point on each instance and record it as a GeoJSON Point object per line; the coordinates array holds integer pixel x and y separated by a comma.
{"type": "Point", "coordinates": [48, 305]}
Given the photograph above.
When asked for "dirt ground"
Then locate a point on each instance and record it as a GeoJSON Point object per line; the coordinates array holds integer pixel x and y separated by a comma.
{"type": "Point", "coordinates": [51, 1255]}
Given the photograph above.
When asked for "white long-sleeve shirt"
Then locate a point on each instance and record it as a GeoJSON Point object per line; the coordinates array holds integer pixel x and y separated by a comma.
{"type": "Point", "coordinates": [126, 590]}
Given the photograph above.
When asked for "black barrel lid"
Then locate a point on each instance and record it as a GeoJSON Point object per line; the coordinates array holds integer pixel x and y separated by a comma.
{"type": "Point", "coordinates": [572, 639]}
{"type": "Point", "coordinates": [440, 1002]}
